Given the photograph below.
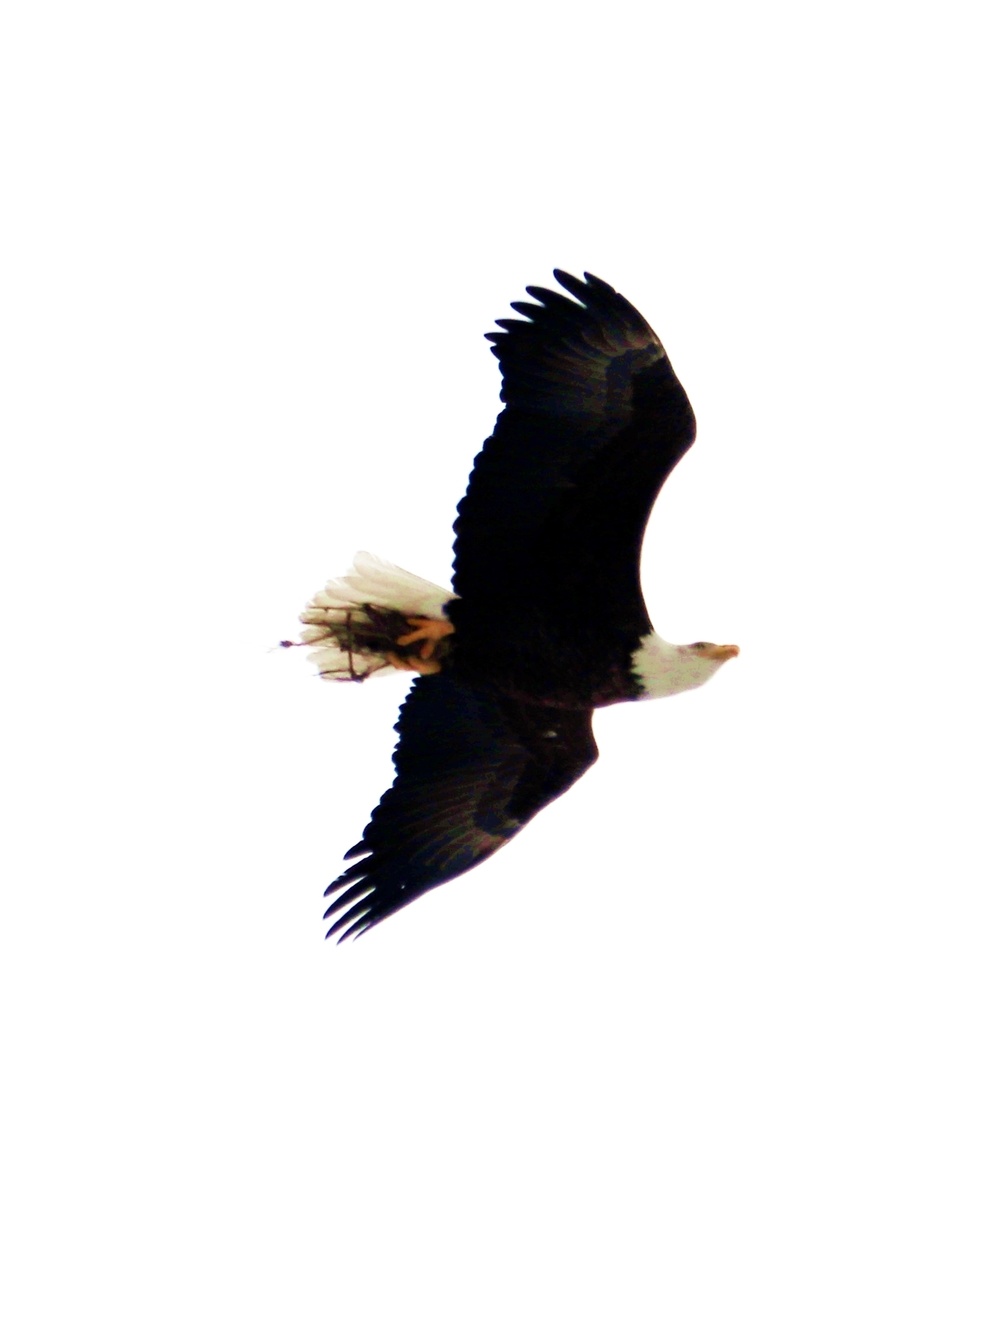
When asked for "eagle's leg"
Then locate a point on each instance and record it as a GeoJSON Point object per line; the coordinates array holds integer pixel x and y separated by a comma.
{"type": "Point", "coordinates": [431, 631]}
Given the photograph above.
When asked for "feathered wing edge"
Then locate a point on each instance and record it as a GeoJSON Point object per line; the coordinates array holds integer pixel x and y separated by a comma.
{"type": "Point", "coordinates": [572, 359]}
{"type": "Point", "coordinates": [471, 771]}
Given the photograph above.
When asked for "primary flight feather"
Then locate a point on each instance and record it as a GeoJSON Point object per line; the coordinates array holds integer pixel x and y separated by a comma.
{"type": "Point", "coordinates": [546, 622]}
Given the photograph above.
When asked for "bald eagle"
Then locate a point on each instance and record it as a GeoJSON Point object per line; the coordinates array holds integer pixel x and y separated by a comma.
{"type": "Point", "coordinates": [546, 622]}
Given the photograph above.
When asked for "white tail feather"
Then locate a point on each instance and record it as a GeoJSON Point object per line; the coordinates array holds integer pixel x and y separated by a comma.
{"type": "Point", "coordinates": [385, 585]}
{"type": "Point", "coordinates": [336, 621]}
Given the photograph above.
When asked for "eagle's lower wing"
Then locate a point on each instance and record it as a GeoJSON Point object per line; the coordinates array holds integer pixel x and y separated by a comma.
{"type": "Point", "coordinates": [595, 420]}
{"type": "Point", "coordinates": [471, 770]}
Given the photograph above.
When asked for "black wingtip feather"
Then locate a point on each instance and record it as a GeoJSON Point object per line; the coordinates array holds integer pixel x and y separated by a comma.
{"type": "Point", "coordinates": [554, 311]}
{"type": "Point", "coordinates": [578, 288]}
{"type": "Point", "coordinates": [335, 885]}
{"type": "Point", "coordinates": [360, 912]}
{"type": "Point", "coordinates": [357, 930]}
{"type": "Point", "coordinates": [551, 299]}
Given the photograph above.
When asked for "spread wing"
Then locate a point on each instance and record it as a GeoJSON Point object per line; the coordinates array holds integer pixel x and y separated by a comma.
{"type": "Point", "coordinates": [471, 770]}
{"type": "Point", "coordinates": [559, 496]}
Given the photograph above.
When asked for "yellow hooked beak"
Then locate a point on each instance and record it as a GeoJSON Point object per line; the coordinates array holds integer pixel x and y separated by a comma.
{"type": "Point", "coordinates": [719, 653]}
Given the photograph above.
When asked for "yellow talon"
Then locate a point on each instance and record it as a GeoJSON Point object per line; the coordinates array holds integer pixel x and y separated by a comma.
{"type": "Point", "coordinates": [431, 631]}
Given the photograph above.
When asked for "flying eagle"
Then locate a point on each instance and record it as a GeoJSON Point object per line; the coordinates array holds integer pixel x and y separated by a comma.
{"type": "Point", "coordinates": [546, 622]}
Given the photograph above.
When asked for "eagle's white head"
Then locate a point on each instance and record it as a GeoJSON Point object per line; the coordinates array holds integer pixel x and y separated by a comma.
{"type": "Point", "coordinates": [666, 669]}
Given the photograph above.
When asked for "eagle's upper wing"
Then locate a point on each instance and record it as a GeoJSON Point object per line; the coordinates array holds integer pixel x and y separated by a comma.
{"type": "Point", "coordinates": [471, 770]}
{"type": "Point", "coordinates": [595, 420]}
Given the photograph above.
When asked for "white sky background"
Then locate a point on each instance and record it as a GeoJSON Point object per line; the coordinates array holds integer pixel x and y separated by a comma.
{"type": "Point", "coordinates": [709, 1053]}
